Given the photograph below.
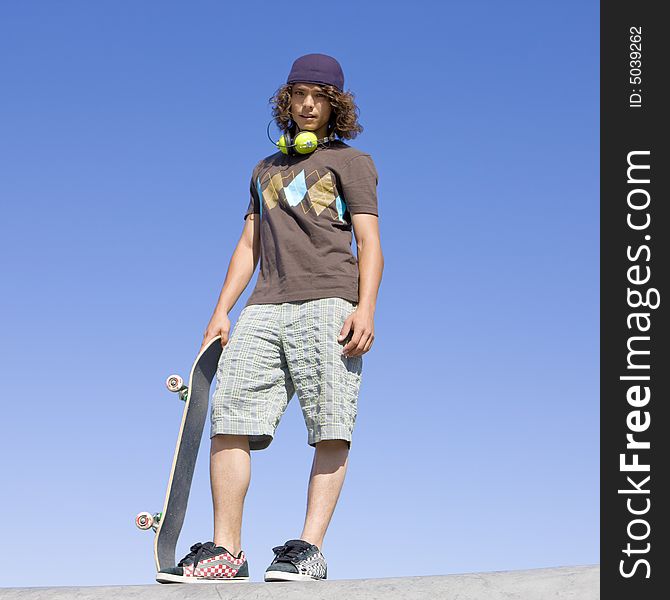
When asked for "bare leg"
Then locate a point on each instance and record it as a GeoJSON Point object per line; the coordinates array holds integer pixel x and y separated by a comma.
{"type": "Point", "coordinates": [329, 467]}
{"type": "Point", "coordinates": [230, 473]}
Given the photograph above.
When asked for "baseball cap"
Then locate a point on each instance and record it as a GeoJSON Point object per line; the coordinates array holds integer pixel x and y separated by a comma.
{"type": "Point", "coordinates": [317, 68]}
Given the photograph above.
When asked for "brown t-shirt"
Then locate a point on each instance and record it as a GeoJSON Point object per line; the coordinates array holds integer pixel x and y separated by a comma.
{"type": "Point", "coordinates": [305, 221]}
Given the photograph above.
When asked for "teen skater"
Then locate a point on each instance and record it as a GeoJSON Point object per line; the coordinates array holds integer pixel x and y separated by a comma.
{"type": "Point", "coordinates": [306, 325]}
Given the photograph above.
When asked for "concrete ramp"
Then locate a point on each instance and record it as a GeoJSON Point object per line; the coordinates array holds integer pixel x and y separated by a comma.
{"type": "Point", "coordinates": [563, 583]}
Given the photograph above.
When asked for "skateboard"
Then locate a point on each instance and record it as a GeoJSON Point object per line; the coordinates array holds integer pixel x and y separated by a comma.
{"type": "Point", "coordinates": [168, 524]}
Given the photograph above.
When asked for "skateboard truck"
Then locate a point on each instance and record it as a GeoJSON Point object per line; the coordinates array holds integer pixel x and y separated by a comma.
{"type": "Point", "coordinates": [146, 520]}
{"type": "Point", "coordinates": [175, 383]}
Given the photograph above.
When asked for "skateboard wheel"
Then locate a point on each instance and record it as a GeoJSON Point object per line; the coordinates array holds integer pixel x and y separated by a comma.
{"type": "Point", "coordinates": [174, 383]}
{"type": "Point", "coordinates": [144, 521]}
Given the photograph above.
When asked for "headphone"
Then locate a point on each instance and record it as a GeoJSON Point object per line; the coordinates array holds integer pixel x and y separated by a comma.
{"type": "Point", "coordinates": [303, 143]}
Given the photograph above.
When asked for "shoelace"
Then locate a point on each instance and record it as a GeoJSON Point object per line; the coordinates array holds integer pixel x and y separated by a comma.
{"type": "Point", "coordinates": [287, 553]}
{"type": "Point", "coordinates": [197, 550]}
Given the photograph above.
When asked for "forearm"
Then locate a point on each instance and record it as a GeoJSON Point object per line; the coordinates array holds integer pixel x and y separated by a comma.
{"type": "Point", "coordinates": [240, 271]}
{"type": "Point", "coordinates": [370, 268]}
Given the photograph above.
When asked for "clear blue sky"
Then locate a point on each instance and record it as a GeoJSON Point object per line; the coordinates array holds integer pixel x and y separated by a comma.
{"type": "Point", "coordinates": [128, 131]}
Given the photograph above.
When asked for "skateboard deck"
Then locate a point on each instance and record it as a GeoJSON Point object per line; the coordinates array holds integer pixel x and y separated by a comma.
{"type": "Point", "coordinates": [168, 524]}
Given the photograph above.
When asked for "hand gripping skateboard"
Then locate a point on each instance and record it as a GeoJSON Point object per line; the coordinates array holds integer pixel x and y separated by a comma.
{"type": "Point", "coordinates": [168, 524]}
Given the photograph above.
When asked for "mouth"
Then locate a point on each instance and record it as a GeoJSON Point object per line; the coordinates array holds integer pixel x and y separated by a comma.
{"type": "Point", "coordinates": [308, 116]}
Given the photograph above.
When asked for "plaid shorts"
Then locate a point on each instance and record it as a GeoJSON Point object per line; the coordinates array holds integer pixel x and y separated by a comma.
{"type": "Point", "coordinates": [276, 350]}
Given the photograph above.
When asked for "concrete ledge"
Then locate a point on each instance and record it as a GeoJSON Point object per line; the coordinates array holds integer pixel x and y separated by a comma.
{"type": "Point", "coordinates": [562, 583]}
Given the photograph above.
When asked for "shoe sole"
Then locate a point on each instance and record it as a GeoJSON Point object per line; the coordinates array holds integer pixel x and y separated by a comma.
{"type": "Point", "coordinates": [169, 578]}
{"type": "Point", "coordinates": [284, 576]}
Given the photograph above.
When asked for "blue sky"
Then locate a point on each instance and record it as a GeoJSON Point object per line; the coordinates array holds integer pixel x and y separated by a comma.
{"type": "Point", "coordinates": [128, 131]}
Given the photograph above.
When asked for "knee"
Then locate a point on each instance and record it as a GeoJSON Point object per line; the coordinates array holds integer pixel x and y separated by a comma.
{"type": "Point", "coordinates": [332, 445]}
{"type": "Point", "coordinates": [221, 441]}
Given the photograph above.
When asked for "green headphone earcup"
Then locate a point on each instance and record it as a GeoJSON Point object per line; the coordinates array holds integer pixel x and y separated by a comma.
{"type": "Point", "coordinates": [306, 142]}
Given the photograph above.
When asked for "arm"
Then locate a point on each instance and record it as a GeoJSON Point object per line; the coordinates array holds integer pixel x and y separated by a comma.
{"type": "Point", "coordinates": [370, 259]}
{"type": "Point", "coordinates": [240, 271]}
{"type": "Point", "coordinates": [370, 268]}
{"type": "Point", "coordinates": [242, 265]}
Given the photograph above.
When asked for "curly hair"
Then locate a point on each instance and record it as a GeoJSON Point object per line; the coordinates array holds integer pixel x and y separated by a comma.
{"type": "Point", "coordinates": [343, 119]}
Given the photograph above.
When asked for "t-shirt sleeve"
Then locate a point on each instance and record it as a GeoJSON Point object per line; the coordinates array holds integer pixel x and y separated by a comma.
{"type": "Point", "coordinates": [359, 185]}
{"type": "Point", "coordinates": [254, 200]}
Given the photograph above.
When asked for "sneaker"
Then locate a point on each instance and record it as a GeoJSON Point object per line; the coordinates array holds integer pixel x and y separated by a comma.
{"type": "Point", "coordinates": [296, 560]}
{"type": "Point", "coordinates": [207, 563]}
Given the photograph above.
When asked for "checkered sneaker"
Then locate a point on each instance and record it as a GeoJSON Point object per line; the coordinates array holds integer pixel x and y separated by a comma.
{"type": "Point", "coordinates": [297, 560]}
{"type": "Point", "coordinates": [207, 563]}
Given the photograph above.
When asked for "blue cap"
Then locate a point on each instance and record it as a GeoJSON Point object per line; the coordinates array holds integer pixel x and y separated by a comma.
{"type": "Point", "coordinates": [317, 68]}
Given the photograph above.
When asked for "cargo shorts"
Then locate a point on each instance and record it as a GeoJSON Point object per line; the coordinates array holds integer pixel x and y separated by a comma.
{"type": "Point", "coordinates": [276, 350]}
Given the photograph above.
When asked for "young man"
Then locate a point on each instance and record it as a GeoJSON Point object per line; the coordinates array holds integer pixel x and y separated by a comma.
{"type": "Point", "coordinates": [304, 328]}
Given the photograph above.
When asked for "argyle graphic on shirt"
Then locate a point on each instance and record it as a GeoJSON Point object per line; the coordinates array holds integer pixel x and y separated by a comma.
{"type": "Point", "coordinates": [311, 191]}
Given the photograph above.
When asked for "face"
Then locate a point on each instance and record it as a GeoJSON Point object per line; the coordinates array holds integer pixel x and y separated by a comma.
{"type": "Point", "coordinates": [310, 108]}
